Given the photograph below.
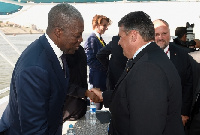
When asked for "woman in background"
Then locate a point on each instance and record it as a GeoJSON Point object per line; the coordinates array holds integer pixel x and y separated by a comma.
{"type": "Point", "coordinates": [97, 73]}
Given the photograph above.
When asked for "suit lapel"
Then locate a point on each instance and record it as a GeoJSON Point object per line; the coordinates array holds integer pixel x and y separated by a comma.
{"type": "Point", "coordinates": [133, 61]}
{"type": "Point", "coordinates": [55, 63]}
{"type": "Point", "coordinates": [126, 70]}
{"type": "Point", "coordinates": [173, 53]}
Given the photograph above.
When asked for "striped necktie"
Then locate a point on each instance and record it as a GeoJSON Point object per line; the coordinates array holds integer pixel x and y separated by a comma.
{"type": "Point", "coordinates": [167, 51]}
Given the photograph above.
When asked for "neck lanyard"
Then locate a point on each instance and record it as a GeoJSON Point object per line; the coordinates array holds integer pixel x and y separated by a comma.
{"type": "Point", "coordinates": [101, 41]}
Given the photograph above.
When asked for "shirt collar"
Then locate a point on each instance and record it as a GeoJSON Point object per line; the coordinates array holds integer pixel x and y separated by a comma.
{"type": "Point", "coordinates": [97, 34]}
{"type": "Point", "coordinates": [57, 50]}
{"type": "Point", "coordinates": [140, 49]}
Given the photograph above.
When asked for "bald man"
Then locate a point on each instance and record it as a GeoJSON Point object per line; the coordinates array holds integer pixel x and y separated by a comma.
{"type": "Point", "coordinates": [180, 59]}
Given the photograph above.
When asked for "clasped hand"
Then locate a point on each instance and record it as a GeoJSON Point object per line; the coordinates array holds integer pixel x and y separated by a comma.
{"type": "Point", "coordinates": [95, 95]}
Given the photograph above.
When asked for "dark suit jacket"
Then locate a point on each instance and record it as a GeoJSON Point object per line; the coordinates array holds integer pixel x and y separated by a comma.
{"type": "Point", "coordinates": [37, 92]}
{"type": "Point", "coordinates": [195, 123]}
{"type": "Point", "coordinates": [181, 60]}
{"type": "Point", "coordinates": [147, 99]}
{"type": "Point", "coordinates": [117, 61]}
{"type": "Point", "coordinates": [75, 104]}
{"type": "Point", "coordinates": [97, 75]}
{"type": "Point", "coordinates": [185, 45]}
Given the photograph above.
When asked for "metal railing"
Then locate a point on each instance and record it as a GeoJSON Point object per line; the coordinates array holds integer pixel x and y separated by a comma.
{"type": "Point", "coordinates": [4, 90]}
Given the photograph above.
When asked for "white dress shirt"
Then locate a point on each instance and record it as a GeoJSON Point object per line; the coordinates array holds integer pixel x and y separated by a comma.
{"type": "Point", "coordinates": [55, 48]}
{"type": "Point", "coordinates": [140, 49]}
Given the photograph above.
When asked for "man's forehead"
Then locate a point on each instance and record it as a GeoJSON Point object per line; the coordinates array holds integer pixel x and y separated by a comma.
{"type": "Point", "coordinates": [77, 28]}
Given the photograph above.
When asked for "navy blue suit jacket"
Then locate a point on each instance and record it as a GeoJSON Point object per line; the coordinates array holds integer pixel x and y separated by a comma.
{"type": "Point", "coordinates": [92, 46]}
{"type": "Point", "coordinates": [97, 75]}
{"type": "Point", "coordinates": [37, 92]}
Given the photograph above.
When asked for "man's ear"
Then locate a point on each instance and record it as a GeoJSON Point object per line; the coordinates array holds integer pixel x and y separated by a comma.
{"type": "Point", "coordinates": [133, 35]}
{"type": "Point", "coordinates": [57, 32]}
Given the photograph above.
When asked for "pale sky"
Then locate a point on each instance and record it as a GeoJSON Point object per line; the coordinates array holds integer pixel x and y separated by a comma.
{"type": "Point", "coordinates": [175, 13]}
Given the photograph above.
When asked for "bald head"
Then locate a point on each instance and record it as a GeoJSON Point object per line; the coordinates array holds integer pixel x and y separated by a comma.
{"type": "Point", "coordinates": [162, 33]}
{"type": "Point", "coordinates": [160, 22]}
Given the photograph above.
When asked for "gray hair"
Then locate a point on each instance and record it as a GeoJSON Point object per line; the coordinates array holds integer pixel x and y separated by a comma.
{"type": "Point", "coordinates": [63, 15]}
{"type": "Point", "coordinates": [140, 22]}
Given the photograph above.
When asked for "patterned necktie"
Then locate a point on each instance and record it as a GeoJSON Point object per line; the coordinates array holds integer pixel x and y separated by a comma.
{"type": "Point", "coordinates": [167, 51]}
{"type": "Point", "coordinates": [128, 64]}
{"type": "Point", "coordinates": [64, 61]}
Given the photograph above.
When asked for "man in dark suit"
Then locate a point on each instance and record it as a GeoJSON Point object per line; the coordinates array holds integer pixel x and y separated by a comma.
{"type": "Point", "coordinates": [181, 40]}
{"type": "Point", "coordinates": [181, 60]}
{"type": "Point", "coordinates": [76, 102]}
{"type": "Point", "coordinates": [147, 99]}
{"type": "Point", "coordinates": [38, 86]}
{"type": "Point", "coordinates": [116, 63]}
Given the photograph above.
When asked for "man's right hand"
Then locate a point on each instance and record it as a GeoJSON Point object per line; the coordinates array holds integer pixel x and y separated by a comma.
{"type": "Point", "coordinates": [184, 119]}
{"type": "Point", "coordinates": [93, 96]}
{"type": "Point", "coordinates": [98, 93]}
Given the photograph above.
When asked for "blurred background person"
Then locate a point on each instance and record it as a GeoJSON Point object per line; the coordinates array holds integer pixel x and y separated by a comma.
{"type": "Point", "coordinates": [117, 61]}
{"type": "Point", "coordinates": [181, 33]}
{"type": "Point", "coordinates": [181, 40]}
{"type": "Point", "coordinates": [97, 72]}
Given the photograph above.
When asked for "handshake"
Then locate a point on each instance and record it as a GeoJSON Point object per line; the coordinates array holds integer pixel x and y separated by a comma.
{"type": "Point", "coordinates": [94, 94]}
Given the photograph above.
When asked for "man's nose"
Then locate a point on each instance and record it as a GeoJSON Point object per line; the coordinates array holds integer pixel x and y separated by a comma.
{"type": "Point", "coordinates": [160, 36]}
{"type": "Point", "coordinates": [80, 39]}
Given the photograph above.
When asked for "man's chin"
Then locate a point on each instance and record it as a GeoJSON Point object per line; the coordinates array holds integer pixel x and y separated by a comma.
{"type": "Point", "coordinates": [161, 45]}
{"type": "Point", "coordinates": [70, 52]}
{"type": "Point", "coordinates": [77, 48]}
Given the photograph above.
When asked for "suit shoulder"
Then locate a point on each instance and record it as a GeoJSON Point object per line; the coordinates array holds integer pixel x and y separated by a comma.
{"type": "Point", "coordinates": [178, 48]}
{"type": "Point", "coordinates": [114, 38]}
{"type": "Point", "coordinates": [159, 58]}
{"type": "Point", "coordinates": [33, 54]}
{"type": "Point", "coordinates": [91, 39]}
